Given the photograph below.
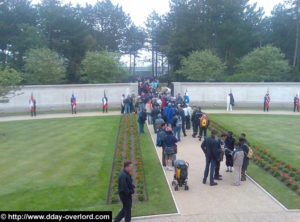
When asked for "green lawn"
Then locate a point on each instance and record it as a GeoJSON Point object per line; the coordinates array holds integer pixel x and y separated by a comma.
{"type": "Point", "coordinates": [65, 164]}
{"type": "Point", "coordinates": [280, 135]}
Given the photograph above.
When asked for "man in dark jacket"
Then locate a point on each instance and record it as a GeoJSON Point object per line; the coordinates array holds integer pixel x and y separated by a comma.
{"type": "Point", "coordinates": [142, 118]}
{"type": "Point", "coordinates": [181, 113]}
{"type": "Point", "coordinates": [229, 144]}
{"type": "Point", "coordinates": [126, 189]}
{"type": "Point", "coordinates": [162, 134]}
{"type": "Point", "coordinates": [245, 145]}
{"type": "Point", "coordinates": [212, 153]}
{"type": "Point", "coordinates": [196, 116]}
{"type": "Point", "coordinates": [221, 146]}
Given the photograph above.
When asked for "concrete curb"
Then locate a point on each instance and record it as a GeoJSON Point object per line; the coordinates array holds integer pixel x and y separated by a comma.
{"type": "Point", "coordinates": [170, 188]}
{"type": "Point", "coordinates": [273, 198]}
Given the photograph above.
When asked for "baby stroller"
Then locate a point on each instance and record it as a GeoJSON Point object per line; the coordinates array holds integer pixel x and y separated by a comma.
{"type": "Point", "coordinates": [180, 175]}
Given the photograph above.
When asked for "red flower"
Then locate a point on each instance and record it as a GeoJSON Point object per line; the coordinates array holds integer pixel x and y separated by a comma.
{"type": "Point", "coordinates": [289, 165]}
{"type": "Point", "coordinates": [291, 169]}
{"type": "Point", "coordinates": [138, 177]}
{"type": "Point", "coordinates": [265, 149]}
{"type": "Point", "coordinates": [278, 164]}
{"type": "Point", "coordinates": [274, 168]}
{"type": "Point", "coordinates": [292, 181]}
{"type": "Point", "coordinates": [287, 177]}
{"type": "Point", "coordinates": [125, 154]}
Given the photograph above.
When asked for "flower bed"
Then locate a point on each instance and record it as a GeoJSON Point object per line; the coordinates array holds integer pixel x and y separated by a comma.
{"type": "Point", "coordinates": [266, 160]}
{"type": "Point", "coordinates": [128, 149]}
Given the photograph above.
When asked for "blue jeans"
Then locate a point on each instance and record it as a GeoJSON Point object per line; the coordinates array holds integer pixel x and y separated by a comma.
{"type": "Point", "coordinates": [149, 118]}
{"type": "Point", "coordinates": [141, 128]}
{"type": "Point", "coordinates": [212, 163]}
{"type": "Point", "coordinates": [177, 131]}
{"type": "Point", "coordinates": [127, 109]}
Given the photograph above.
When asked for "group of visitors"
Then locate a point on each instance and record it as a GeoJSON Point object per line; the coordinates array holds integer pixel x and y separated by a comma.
{"type": "Point", "coordinates": [237, 156]}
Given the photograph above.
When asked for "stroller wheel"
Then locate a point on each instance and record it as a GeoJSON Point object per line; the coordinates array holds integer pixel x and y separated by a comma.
{"type": "Point", "coordinates": [176, 188]}
{"type": "Point", "coordinates": [186, 187]}
{"type": "Point", "coordinates": [173, 183]}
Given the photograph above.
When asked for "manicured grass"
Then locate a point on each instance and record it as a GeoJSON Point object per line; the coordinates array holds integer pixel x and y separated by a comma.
{"type": "Point", "coordinates": [280, 135]}
{"type": "Point", "coordinates": [55, 112]}
{"type": "Point", "coordinates": [277, 189]}
{"type": "Point", "coordinates": [65, 164]}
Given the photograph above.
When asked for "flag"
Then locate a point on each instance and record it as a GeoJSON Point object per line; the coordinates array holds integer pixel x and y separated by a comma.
{"type": "Point", "coordinates": [104, 100]}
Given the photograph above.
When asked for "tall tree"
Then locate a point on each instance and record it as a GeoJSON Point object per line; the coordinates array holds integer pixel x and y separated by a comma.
{"type": "Point", "coordinates": [43, 66]}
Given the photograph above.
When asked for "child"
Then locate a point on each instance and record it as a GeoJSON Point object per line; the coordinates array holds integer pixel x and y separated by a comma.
{"type": "Point", "coordinates": [238, 158]}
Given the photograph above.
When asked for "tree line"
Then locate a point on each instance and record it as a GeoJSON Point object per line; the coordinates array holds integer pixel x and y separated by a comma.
{"type": "Point", "coordinates": [226, 40]}
{"type": "Point", "coordinates": [198, 40]}
{"type": "Point", "coordinates": [52, 43]}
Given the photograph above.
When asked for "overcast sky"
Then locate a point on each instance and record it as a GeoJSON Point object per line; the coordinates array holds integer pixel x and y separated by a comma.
{"type": "Point", "coordinates": [140, 9]}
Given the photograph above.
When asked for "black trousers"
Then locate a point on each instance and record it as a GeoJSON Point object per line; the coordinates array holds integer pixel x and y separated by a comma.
{"type": "Point", "coordinates": [202, 131]}
{"type": "Point", "coordinates": [195, 128]}
{"type": "Point", "coordinates": [296, 108]}
{"type": "Point", "coordinates": [229, 160]}
{"type": "Point", "coordinates": [183, 127]}
{"type": "Point", "coordinates": [104, 109]}
{"type": "Point", "coordinates": [163, 159]}
{"type": "Point", "coordinates": [122, 109]}
{"type": "Point", "coordinates": [217, 169]}
{"type": "Point", "coordinates": [188, 122]}
{"type": "Point", "coordinates": [126, 210]}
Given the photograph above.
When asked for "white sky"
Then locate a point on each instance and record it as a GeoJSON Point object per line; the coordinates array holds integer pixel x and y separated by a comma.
{"type": "Point", "coordinates": [140, 9]}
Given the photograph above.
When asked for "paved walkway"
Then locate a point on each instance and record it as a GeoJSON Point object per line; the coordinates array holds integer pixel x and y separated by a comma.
{"type": "Point", "coordinates": [223, 202]}
{"type": "Point", "coordinates": [204, 203]}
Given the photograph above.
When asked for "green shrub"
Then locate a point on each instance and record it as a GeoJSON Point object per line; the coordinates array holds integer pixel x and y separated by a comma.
{"type": "Point", "coordinates": [276, 174]}
{"type": "Point", "coordinates": [283, 178]}
{"type": "Point", "coordinates": [141, 197]}
{"type": "Point", "coordinates": [295, 187]}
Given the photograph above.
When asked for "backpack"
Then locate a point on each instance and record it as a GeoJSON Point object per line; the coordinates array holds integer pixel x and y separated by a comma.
{"type": "Point", "coordinates": [179, 122]}
{"type": "Point", "coordinates": [203, 121]}
{"type": "Point", "coordinates": [250, 153]}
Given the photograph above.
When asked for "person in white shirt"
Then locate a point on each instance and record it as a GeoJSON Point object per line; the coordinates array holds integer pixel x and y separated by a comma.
{"type": "Point", "coordinates": [122, 104]}
{"type": "Point", "coordinates": [187, 112]}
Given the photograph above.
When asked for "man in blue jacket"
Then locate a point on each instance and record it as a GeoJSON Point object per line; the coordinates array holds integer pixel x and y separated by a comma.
{"type": "Point", "coordinates": [169, 112]}
{"type": "Point", "coordinates": [126, 189]}
{"type": "Point", "coordinates": [212, 153]}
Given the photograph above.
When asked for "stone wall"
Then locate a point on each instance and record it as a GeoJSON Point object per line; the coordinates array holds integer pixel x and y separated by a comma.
{"type": "Point", "coordinates": [245, 94]}
{"type": "Point", "coordinates": [50, 97]}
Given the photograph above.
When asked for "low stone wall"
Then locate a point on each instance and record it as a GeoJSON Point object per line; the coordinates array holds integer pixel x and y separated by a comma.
{"type": "Point", "coordinates": [55, 97]}
{"type": "Point", "coordinates": [245, 94]}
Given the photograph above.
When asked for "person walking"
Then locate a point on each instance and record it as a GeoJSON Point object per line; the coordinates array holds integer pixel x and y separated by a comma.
{"type": "Point", "coordinates": [169, 113]}
{"type": "Point", "coordinates": [245, 146]}
{"type": "Point", "coordinates": [141, 120]}
{"type": "Point", "coordinates": [204, 122]}
{"type": "Point", "coordinates": [162, 134]}
{"type": "Point", "coordinates": [229, 144]}
{"type": "Point", "coordinates": [196, 120]}
{"type": "Point", "coordinates": [158, 123]}
{"type": "Point", "coordinates": [169, 150]}
{"type": "Point", "coordinates": [187, 113]}
{"type": "Point", "coordinates": [296, 103]}
{"type": "Point", "coordinates": [127, 105]}
{"type": "Point", "coordinates": [212, 153]}
{"type": "Point", "coordinates": [267, 100]}
{"type": "Point", "coordinates": [182, 115]}
{"type": "Point", "coordinates": [221, 146]}
{"type": "Point", "coordinates": [125, 189]}
{"type": "Point", "coordinates": [148, 108]}
{"type": "Point", "coordinates": [177, 125]}
{"type": "Point", "coordinates": [238, 159]}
